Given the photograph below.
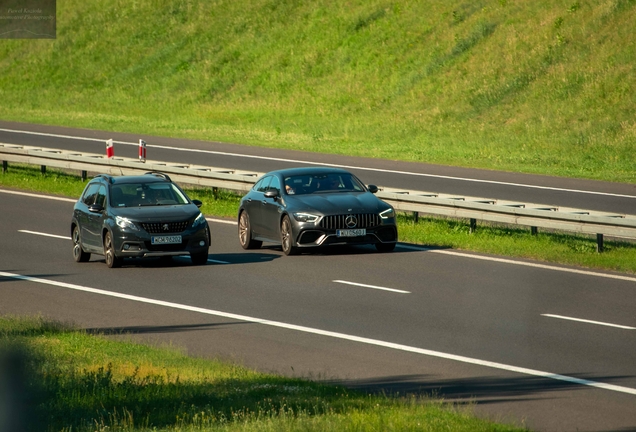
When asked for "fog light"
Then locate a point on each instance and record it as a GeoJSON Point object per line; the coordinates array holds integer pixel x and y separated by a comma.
{"type": "Point", "coordinates": [126, 246]}
{"type": "Point", "coordinates": [201, 243]}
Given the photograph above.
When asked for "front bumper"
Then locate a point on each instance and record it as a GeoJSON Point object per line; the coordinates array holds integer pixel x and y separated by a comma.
{"type": "Point", "coordinates": [316, 237]}
{"type": "Point", "coordinates": [139, 244]}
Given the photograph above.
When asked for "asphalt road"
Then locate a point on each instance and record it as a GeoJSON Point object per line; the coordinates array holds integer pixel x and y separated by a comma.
{"type": "Point", "coordinates": [577, 193]}
{"type": "Point", "coordinates": [465, 326]}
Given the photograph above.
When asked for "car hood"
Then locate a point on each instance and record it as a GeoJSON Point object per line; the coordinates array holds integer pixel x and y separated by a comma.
{"type": "Point", "coordinates": [172, 213]}
{"type": "Point", "coordinates": [338, 202]}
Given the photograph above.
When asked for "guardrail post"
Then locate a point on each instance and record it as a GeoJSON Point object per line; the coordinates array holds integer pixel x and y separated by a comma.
{"type": "Point", "coordinates": [473, 225]}
{"type": "Point", "coordinates": [533, 230]}
{"type": "Point", "coordinates": [599, 243]}
{"type": "Point", "coordinates": [5, 166]}
{"type": "Point", "coordinates": [84, 176]}
{"type": "Point", "coordinates": [43, 169]}
{"type": "Point", "coordinates": [215, 192]}
{"type": "Point", "coordinates": [416, 217]}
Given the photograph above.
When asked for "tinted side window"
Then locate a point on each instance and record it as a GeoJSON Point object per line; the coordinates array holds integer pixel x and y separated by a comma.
{"type": "Point", "coordinates": [258, 184]}
{"type": "Point", "coordinates": [101, 196]}
{"type": "Point", "coordinates": [90, 194]}
{"type": "Point", "coordinates": [264, 184]}
{"type": "Point", "coordinates": [274, 184]}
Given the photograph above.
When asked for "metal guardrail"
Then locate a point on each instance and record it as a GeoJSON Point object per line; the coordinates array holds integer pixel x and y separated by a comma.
{"type": "Point", "coordinates": [474, 208]}
{"type": "Point", "coordinates": [224, 178]}
{"type": "Point", "coordinates": [514, 213]}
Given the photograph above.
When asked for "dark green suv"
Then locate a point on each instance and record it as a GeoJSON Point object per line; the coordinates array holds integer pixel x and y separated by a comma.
{"type": "Point", "coordinates": [138, 216]}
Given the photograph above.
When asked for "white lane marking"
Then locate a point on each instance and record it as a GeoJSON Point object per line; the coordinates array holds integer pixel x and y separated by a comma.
{"type": "Point", "coordinates": [74, 201]}
{"type": "Point", "coordinates": [372, 286]}
{"type": "Point", "coordinates": [209, 260]}
{"type": "Point", "coordinates": [45, 234]}
{"type": "Point", "coordinates": [589, 321]}
{"type": "Point", "coordinates": [425, 249]}
{"type": "Point", "coordinates": [331, 165]}
{"type": "Point", "coordinates": [51, 135]}
{"type": "Point", "coordinates": [217, 261]}
{"type": "Point", "coordinates": [521, 263]}
{"type": "Point", "coordinates": [68, 238]}
{"type": "Point", "coordinates": [38, 195]}
{"type": "Point", "coordinates": [343, 336]}
{"type": "Point", "coordinates": [223, 221]}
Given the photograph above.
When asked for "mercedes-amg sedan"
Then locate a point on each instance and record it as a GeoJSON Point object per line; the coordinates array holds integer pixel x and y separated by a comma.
{"type": "Point", "coordinates": [304, 208]}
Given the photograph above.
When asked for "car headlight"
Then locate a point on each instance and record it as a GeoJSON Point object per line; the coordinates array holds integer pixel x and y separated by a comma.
{"type": "Point", "coordinates": [200, 220]}
{"type": "Point", "coordinates": [125, 223]}
{"type": "Point", "coordinates": [305, 217]}
{"type": "Point", "coordinates": [387, 214]}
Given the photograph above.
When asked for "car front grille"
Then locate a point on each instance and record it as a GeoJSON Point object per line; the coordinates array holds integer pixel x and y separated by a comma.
{"type": "Point", "coordinates": [363, 220]}
{"type": "Point", "coordinates": [165, 227]}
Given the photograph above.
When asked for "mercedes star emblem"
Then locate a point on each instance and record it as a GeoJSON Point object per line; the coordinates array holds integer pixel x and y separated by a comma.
{"type": "Point", "coordinates": [351, 221]}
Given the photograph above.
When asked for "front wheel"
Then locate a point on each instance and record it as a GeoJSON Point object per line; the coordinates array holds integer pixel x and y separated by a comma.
{"type": "Point", "coordinates": [245, 233]}
{"type": "Point", "coordinates": [385, 247]}
{"type": "Point", "coordinates": [286, 237]}
{"type": "Point", "coordinates": [109, 252]}
{"type": "Point", "coordinates": [78, 253]}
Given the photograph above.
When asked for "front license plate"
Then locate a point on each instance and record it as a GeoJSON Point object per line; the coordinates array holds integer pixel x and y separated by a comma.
{"type": "Point", "coordinates": [165, 239]}
{"type": "Point", "coordinates": [351, 232]}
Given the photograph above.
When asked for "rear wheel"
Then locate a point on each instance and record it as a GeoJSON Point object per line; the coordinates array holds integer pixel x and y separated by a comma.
{"type": "Point", "coordinates": [78, 253]}
{"type": "Point", "coordinates": [385, 247]}
{"type": "Point", "coordinates": [245, 233]}
{"type": "Point", "coordinates": [286, 237]}
{"type": "Point", "coordinates": [109, 252]}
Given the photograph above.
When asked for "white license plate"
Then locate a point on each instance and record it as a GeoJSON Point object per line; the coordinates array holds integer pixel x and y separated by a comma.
{"type": "Point", "coordinates": [165, 239]}
{"type": "Point", "coordinates": [351, 232]}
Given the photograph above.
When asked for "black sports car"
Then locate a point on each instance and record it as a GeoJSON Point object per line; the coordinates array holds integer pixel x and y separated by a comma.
{"type": "Point", "coordinates": [137, 216]}
{"type": "Point", "coordinates": [312, 207]}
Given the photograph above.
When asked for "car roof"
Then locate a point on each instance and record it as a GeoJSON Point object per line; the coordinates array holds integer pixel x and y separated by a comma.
{"type": "Point", "coordinates": [145, 178]}
{"type": "Point", "coordinates": [308, 171]}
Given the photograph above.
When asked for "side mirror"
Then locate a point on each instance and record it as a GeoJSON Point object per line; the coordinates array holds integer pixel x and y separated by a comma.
{"type": "Point", "coordinates": [372, 188]}
{"type": "Point", "coordinates": [197, 203]}
{"type": "Point", "coordinates": [96, 208]}
{"type": "Point", "coordinates": [272, 193]}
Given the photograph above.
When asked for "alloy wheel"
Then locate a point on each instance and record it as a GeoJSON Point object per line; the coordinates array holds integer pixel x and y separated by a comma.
{"type": "Point", "coordinates": [286, 237]}
{"type": "Point", "coordinates": [109, 252]}
{"type": "Point", "coordinates": [78, 253]}
{"type": "Point", "coordinates": [245, 233]}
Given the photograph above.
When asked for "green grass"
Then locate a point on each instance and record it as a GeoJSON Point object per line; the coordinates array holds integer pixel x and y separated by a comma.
{"type": "Point", "coordinates": [431, 232]}
{"type": "Point", "coordinates": [539, 87]}
{"type": "Point", "coordinates": [74, 381]}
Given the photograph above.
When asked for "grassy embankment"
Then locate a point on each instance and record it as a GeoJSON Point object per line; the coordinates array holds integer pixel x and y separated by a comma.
{"type": "Point", "coordinates": [442, 233]}
{"type": "Point", "coordinates": [526, 86]}
{"type": "Point", "coordinates": [73, 381]}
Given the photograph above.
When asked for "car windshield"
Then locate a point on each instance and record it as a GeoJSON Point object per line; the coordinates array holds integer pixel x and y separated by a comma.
{"type": "Point", "coordinates": [322, 183]}
{"type": "Point", "coordinates": [146, 194]}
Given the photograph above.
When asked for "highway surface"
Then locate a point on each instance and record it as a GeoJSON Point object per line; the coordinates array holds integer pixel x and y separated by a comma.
{"type": "Point", "coordinates": [549, 347]}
